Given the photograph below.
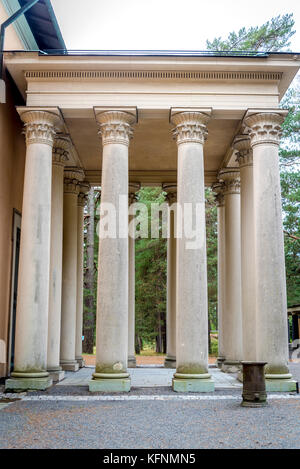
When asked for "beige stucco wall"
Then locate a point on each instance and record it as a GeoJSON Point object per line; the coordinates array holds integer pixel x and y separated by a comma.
{"type": "Point", "coordinates": [12, 159]}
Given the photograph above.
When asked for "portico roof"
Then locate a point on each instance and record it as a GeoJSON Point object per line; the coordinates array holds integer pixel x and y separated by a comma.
{"type": "Point", "coordinates": [153, 82]}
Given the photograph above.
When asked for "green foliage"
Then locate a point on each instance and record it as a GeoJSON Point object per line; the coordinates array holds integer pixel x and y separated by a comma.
{"type": "Point", "coordinates": [290, 142]}
{"type": "Point", "coordinates": [151, 277]}
{"type": "Point", "coordinates": [290, 184]}
{"type": "Point", "coordinates": [271, 36]}
{"type": "Point", "coordinates": [151, 271]}
{"type": "Point", "coordinates": [212, 259]}
{"type": "Point", "coordinates": [290, 189]}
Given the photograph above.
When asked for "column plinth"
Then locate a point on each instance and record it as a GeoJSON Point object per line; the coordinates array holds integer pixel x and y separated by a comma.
{"type": "Point", "coordinates": [191, 298]}
{"type": "Point", "coordinates": [218, 189]}
{"type": "Point", "coordinates": [72, 179]}
{"type": "Point", "coordinates": [270, 282]}
{"type": "Point", "coordinates": [112, 300]}
{"type": "Point", "coordinates": [133, 188]}
{"type": "Point", "coordinates": [170, 360]}
{"type": "Point", "coordinates": [34, 267]}
{"type": "Point", "coordinates": [82, 198]}
{"type": "Point", "coordinates": [232, 318]}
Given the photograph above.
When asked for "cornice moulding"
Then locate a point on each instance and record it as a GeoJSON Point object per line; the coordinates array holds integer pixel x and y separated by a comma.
{"type": "Point", "coordinates": [151, 75]}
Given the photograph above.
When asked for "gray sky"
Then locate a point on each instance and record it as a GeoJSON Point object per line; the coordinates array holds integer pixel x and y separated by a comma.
{"type": "Point", "coordinates": [163, 24]}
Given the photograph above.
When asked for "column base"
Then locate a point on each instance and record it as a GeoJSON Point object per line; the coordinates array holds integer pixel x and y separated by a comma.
{"type": "Point", "coordinates": [276, 384]}
{"type": "Point", "coordinates": [193, 383]}
{"type": "Point", "coordinates": [220, 361]}
{"type": "Point", "coordinates": [131, 363]}
{"type": "Point", "coordinates": [71, 365]}
{"type": "Point", "coordinates": [254, 404]}
{"type": "Point", "coordinates": [229, 366]}
{"type": "Point", "coordinates": [28, 384]}
{"type": "Point", "coordinates": [280, 384]}
{"type": "Point", "coordinates": [110, 385]}
{"type": "Point", "coordinates": [80, 362]}
{"type": "Point", "coordinates": [170, 362]}
{"type": "Point", "coordinates": [56, 374]}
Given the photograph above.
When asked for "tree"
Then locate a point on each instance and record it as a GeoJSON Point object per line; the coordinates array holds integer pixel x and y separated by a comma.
{"type": "Point", "coordinates": [290, 184]}
{"type": "Point", "coordinates": [151, 268]}
{"type": "Point", "coordinates": [271, 36]}
{"type": "Point", "coordinates": [212, 260]}
{"type": "Point", "coordinates": [89, 274]}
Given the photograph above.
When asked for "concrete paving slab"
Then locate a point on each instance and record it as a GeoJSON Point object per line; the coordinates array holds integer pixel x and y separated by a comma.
{"type": "Point", "coordinates": [150, 377]}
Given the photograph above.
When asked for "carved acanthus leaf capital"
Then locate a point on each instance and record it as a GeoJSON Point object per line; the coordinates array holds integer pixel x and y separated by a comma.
{"type": "Point", "coordinates": [244, 154]}
{"type": "Point", "coordinates": [83, 188]}
{"type": "Point", "coordinates": [133, 188]}
{"type": "Point", "coordinates": [72, 179]}
{"type": "Point", "coordinates": [40, 126]}
{"type": "Point", "coordinates": [190, 127]}
{"type": "Point", "coordinates": [231, 179]}
{"type": "Point", "coordinates": [115, 126]}
{"type": "Point", "coordinates": [219, 188]}
{"type": "Point", "coordinates": [171, 190]}
{"type": "Point", "coordinates": [60, 152]}
{"type": "Point", "coordinates": [265, 127]}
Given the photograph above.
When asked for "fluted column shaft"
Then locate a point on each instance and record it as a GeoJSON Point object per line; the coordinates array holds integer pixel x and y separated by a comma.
{"type": "Point", "coordinates": [245, 159]}
{"type": "Point", "coordinates": [218, 189]}
{"type": "Point", "coordinates": [270, 286]}
{"type": "Point", "coordinates": [170, 360]}
{"type": "Point", "coordinates": [232, 318]}
{"type": "Point", "coordinates": [191, 300]}
{"type": "Point", "coordinates": [34, 267]}
{"type": "Point", "coordinates": [112, 298]}
{"type": "Point", "coordinates": [133, 188]}
{"type": "Point", "coordinates": [69, 275]}
{"type": "Point", "coordinates": [83, 189]}
{"type": "Point", "coordinates": [60, 156]}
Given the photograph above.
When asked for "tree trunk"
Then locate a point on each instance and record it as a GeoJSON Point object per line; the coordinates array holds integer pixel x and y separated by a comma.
{"type": "Point", "coordinates": [209, 338]}
{"type": "Point", "coordinates": [89, 321]}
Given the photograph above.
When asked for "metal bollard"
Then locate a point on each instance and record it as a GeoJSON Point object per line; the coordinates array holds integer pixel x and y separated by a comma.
{"type": "Point", "coordinates": [254, 385]}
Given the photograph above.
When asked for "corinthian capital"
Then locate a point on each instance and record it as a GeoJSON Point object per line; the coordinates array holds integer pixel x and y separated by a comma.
{"type": "Point", "coordinates": [231, 179]}
{"type": "Point", "coordinates": [133, 187]}
{"type": "Point", "coordinates": [265, 127]}
{"type": "Point", "coordinates": [60, 152]}
{"type": "Point", "coordinates": [72, 179]}
{"type": "Point", "coordinates": [190, 126]}
{"type": "Point", "coordinates": [242, 144]}
{"type": "Point", "coordinates": [171, 190]}
{"type": "Point", "coordinates": [39, 126]}
{"type": "Point", "coordinates": [219, 188]}
{"type": "Point", "coordinates": [115, 126]}
{"type": "Point", "coordinates": [83, 188]}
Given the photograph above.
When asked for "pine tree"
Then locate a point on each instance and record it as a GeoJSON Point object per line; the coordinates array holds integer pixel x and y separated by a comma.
{"type": "Point", "coordinates": [272, 36]}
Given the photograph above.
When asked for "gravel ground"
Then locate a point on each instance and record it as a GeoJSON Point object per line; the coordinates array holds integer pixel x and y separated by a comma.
{"type": "Point", "coordinates": [149, 424]}
{"type": "Point", "coordinates": [154, 425]}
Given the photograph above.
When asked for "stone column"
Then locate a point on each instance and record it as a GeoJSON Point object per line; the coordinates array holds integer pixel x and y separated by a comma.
{"type": "Point", "coordinates": [73, 176]}
{"type": "Point", "coordinates": [60, 156]}
{"type": "Point", "coordinates": [218, 188]}
{"type": "Point", "coordinates": [112, 300]}
{"type": "Point", "coordinates": [83, 189]}
{"type": "Point", "coordinates": [34, 267]}
{"type": "Point", "coordinates": [270, 286]}
{"type": "Point", "coordinates": [232, 326]}
{"type": "Point", "coordinates": [170, 360]}
{"type": "Point", "coordinates": [245, 159]}
{"type": "Point", "coordinates": [133, 188]}
{"type": "Point", "coordinates": [191, 298]}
